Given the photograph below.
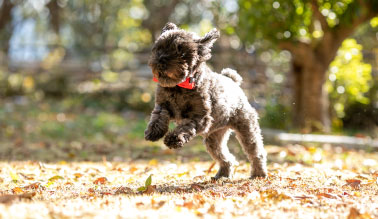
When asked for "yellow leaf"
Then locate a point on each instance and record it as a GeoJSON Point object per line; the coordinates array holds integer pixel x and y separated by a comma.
{"type": "Point", "coordinates": [153, 162]}
{"type": "Point", "coordinates": [182, 174]}
{"type": "Point", "coordinates": [78, 175]}
{"type": "Point", "coordinates": [55, 178]}
{"type": "Point", "coordinates": [14, 177]}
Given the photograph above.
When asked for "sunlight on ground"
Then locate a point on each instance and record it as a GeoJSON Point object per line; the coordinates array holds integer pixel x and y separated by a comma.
{"type": "Point", "coordinates": [335, 184]}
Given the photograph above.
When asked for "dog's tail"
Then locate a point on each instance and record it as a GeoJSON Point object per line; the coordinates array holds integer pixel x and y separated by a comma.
{"type": "Point", "coordinates": [231, 73]}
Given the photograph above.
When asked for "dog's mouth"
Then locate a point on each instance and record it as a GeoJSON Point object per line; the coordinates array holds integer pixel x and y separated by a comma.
{"type": "Point", "coordinates": [169, 79]}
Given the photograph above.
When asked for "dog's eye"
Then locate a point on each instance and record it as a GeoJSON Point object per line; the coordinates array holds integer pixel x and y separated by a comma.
{"type": "Point", "coordinates": [178, 48]}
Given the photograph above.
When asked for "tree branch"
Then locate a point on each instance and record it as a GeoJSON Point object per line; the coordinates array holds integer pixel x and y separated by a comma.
{"type": "Point", "coordinates": [299, 50]}
{"type": "Point", "coordinates": [319, 16]}
{"type": "Point", "coordinates": [343, 30]}
{"type": "Point", "coordinates": [331, 41]}
{"type": "Point", "coordinates": [5, 13]}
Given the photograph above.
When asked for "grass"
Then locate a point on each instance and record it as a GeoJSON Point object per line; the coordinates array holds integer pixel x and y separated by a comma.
{"type": "Point", "coordinates": [92, 163]}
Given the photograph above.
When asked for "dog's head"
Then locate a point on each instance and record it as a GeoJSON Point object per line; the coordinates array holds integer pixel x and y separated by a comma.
{"type": "Point", "coordinates": [176, 52]}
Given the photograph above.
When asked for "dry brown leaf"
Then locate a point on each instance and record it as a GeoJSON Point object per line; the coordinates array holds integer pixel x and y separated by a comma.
{"type": "Point", "coordinates": [150, 189]}
{"type": "Point", "coordinates": [124, 190]}
{"type": "Point", "coordinates": [139, 204]}
{"type": "Point", "coordinates": [354, 183]}
{"type": "Point", "coordinates": [197, 187]}
{"type": "Point", "coordinates": [375, 174]}
{"type": "Point", "coordinates": [35, 185]}
{"type": "Point", "coordinates": [328, 195]}
{"type": "Point", "coordinates": [303, 197]}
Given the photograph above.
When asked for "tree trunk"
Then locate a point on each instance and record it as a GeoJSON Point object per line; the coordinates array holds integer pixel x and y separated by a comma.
{"type": "Point", "coordinates": [5, 25]}
{"type": "Point", "coordinates": [310, 102]}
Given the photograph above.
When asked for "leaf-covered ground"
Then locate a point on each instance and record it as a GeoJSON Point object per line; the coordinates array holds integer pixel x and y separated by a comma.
{"type": "Point", "coordinates": [303, 182]}
{"type": "Point", "coordinates": [75, 159]}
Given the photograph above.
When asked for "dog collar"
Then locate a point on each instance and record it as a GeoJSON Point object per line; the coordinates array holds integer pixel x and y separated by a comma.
{"type": "Point", "coordinates": [188, 83]}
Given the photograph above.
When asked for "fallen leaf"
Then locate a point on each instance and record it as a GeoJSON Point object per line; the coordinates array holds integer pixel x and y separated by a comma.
{"type": "Point", "coordinates": [150, 190]}
{"type": "Point", "coordinates": [55, 178]}
{"type": "Point", "coordinates": [78, 175]}
{"type": "Point", "coordinates": [328, 195]}
{"type": "Point", "coordinates": [303, 197]}
{"type": "Point", "coordinates": [101, 180]}
{"type": "Point", "coordinates": [196, 187]}
{"type": "Point", "coordinates": [26, 176]}
{"type": "Point", "coordinates": [35, 185]}
{"type": "Point", "coordinates": [354, 183]}
{"type": "Point", "coordinates": [133, 169]}
{"type": "Point", "coordinates": [199, 178]}
{"type": "Point", "coordinates": [182, 174]}
{"type": "Point", "coordinates": [153, 162]}
{"type": "Point", "coordinates": [14, 177]}
{"type": "Point", "coordinates": [17, 190]}
{"type": "Point", "coordinates": [124, 190]}
{"type": "Point", "coordinates": [139, 204]}
{"type": "Point", "coordinates": [62, 162]}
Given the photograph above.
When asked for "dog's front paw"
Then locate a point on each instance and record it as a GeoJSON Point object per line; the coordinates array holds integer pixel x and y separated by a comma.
{"type": "Point", "coordinates": [153, 134]}
{"type": "Point", "coordinates": [174, 141]}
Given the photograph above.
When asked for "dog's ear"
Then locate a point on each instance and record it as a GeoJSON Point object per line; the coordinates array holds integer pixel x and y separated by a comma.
{"type": "Point", "coordinates": [205, 44]}
{"type": "Point", "coordinates": [209, 39]}
{"type": "Point", "coordinates": [169, 26]}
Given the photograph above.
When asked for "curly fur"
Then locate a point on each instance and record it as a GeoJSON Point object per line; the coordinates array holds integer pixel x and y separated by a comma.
{"type": "Point", "coordinates": [212, 109]}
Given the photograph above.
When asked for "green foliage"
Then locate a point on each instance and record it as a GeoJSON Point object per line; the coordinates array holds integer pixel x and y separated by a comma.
{"type": "Point", "coordinates": [273, 20]}
{"type": "Point", "coordinates": [349, 77]}
{"type": "Point", "coordinates": [278, 20]}
{"type": "Point", "coordinates": [374, 22]}
{"type": "Point", "coordinates": [276, 116]}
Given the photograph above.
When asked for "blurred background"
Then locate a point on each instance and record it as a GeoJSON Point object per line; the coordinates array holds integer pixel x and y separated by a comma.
{"type": "Point", "coordinates": [75, 84]}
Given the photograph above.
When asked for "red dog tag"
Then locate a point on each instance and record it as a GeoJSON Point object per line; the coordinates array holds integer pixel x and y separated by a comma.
{"type": "Point", "coordinates": [188, 83]}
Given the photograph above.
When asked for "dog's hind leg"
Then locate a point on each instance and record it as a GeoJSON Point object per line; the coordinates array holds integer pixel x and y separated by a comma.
{"type": "Point", "coordinates": [216, 144]}
{"type": "Point", "coordinates": [248, 134]}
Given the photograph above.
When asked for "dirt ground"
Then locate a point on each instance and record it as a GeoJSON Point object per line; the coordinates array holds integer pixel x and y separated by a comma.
{"type": "Point", "coordinates": [303, 182]}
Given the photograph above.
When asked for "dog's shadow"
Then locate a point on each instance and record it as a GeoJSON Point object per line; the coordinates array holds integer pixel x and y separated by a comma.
{"type": "Point", "coordinates": [217, 186]}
